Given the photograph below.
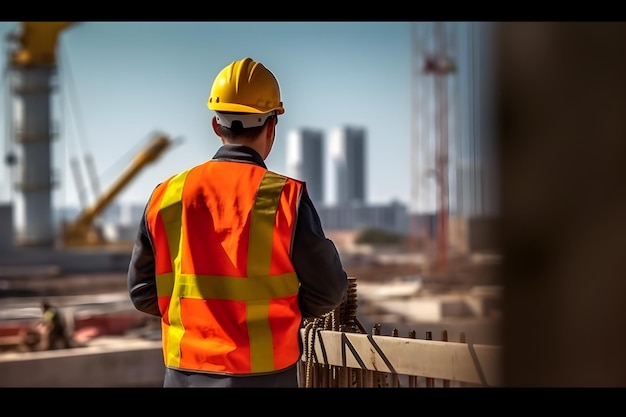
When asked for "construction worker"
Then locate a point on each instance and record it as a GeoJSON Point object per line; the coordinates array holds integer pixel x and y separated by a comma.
{"type": "Point", "coordinates": [232, 256]}
{"type": "Point", "coordinates": [53, 328]}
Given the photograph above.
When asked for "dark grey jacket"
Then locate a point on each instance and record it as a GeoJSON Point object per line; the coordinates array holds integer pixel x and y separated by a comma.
{"type": "Point", "coordinates": [323, 281]}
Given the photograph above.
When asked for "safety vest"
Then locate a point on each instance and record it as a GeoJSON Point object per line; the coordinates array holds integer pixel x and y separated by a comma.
{"type": "Point", "coordinates": [227, 290]}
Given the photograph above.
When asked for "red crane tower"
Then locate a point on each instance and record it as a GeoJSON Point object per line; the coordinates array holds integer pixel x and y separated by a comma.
{"type": "Point", "coordinates": [432, 65]}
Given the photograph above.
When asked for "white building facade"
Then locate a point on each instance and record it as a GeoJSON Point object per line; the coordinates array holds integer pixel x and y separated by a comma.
{"type": "Point", "coordinates": [347, 174]}
{"type": "Point", "coordinates": [305, 160]}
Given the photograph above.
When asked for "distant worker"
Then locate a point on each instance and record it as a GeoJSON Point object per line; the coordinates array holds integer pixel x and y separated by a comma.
{"type": "Point", "coordinates": [53, 327]}
{"type": "Point", "coordinates": [232, 256]}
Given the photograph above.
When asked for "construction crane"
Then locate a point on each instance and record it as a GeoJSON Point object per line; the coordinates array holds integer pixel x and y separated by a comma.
{"type": "Point", "coordinates": [433, 64]}
{"type": "Point", "coordinates": [82, 231]}
{"type": "Point", "coordinates": [37, 42]}
{"type": "Point", "coordinates": [32, 61]}
{"type": "Point", "coordinates": [439, 64]}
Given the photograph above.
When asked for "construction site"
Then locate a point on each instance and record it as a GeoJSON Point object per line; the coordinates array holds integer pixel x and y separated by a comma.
{"type": "Point", "coordinates": [425, 313]}
{"type": "Point", "coordinates": [433, 285]}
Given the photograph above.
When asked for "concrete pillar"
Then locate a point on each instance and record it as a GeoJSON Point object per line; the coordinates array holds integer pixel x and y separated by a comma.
{"type": "Point", "coordinates": [34, 182]}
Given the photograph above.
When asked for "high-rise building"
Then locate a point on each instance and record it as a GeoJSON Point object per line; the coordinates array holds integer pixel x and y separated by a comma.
{"type": "Point", "coordinates": [347, 172]}
{"type": "Point", "coordinates": [345, 206]}
{"type": "Point", "coordinates": [305, 150]}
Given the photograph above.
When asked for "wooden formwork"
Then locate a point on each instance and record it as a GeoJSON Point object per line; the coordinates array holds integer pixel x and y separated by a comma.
{"type": "Point", "coordinates": [338, 359]}
{"type": "Point", "coordinates": [338, 353]}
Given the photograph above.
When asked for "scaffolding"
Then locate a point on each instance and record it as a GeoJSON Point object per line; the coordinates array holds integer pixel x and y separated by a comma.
{"type": "Point", "coordinates": [454, 177]}
{"type": "Point", "coordinates": [433, 47]}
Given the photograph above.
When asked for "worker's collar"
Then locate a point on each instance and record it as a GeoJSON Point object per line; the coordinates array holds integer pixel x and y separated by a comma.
{"type": "Point", "coordinates": [239, 153]}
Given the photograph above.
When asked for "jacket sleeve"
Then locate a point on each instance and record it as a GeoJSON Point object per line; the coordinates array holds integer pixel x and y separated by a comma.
{"type": "Point", "coordinates": [323, 281]}
{"type": "Point", "coordinates": [141, 278]}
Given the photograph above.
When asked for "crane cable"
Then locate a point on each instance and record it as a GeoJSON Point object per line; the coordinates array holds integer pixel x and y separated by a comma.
{"type": "Point", "coordinates": [74, 110]}
{"type": "Point", "coordinates": [83, 143]}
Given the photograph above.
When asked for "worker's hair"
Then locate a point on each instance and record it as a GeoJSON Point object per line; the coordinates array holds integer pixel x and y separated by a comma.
{"type": "Point", "coordinates": [237, 133]}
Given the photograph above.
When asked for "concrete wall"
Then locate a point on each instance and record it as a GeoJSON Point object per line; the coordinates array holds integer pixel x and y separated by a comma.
{"type": "Point", "coordinates": [135, 363]}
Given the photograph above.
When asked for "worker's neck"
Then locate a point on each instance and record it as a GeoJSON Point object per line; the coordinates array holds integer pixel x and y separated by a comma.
{"type": "Point", "coordinates": [258, 145]}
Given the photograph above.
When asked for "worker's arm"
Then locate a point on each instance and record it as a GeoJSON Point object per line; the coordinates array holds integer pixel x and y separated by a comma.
{"type": "Point", "coordinates": [323, 282]}
{"type": "Point", "coordinates": [141, 277]}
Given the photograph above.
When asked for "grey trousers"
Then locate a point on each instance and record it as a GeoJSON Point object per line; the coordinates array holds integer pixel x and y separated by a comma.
{"type": "Point", "coordinates": [179, 379]}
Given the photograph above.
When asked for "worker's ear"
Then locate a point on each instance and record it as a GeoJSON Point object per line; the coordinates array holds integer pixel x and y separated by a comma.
{"type": "Point", "coordinates": [271, 128]}
{"type": "Point", "coordinates": [215, 126]}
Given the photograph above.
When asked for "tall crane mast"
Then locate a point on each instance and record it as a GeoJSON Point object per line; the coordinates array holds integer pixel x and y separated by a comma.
{"type": "Point", "coordinates": [32, 63]}
{"type": "Point", "coordinates": [432, 65]}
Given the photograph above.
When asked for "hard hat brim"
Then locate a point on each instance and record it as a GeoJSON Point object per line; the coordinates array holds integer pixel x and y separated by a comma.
{"type": "Point", "coordinates": [241, 108]}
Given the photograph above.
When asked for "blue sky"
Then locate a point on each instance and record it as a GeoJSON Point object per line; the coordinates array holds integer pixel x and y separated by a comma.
{"type": "Point", "coordinates": [119, 82]}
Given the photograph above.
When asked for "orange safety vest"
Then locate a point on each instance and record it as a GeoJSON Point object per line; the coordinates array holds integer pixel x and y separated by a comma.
{"type": "Point", "coordinates": [227, 290]}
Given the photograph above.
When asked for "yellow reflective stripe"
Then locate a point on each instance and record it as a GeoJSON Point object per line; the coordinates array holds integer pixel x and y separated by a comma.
{"type": "Point", "coordinates": [165, 284]}
{"type": "Point", "coordinates": [260, 335]}
{"type": "Point", "coordinates": [205, 287]}
{"type": "Point", "coordinates": [259, 262]}
{"type": "Point", "coordinates": [262, 224]}
{"type": "Point", "coordinates": [171, 214]}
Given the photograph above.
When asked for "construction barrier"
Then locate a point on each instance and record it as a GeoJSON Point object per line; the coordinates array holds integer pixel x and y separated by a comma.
{"type": "Point", "coordinates": [352, 360]}
{"type": "Point", "coordinates": [338, 353]}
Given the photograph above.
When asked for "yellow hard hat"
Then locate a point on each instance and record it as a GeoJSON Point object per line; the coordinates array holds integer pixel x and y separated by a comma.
{"type": "Point", "coordinates": [245, 86]}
